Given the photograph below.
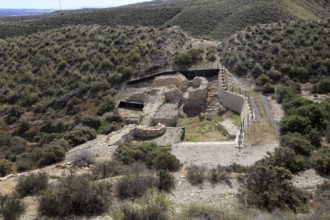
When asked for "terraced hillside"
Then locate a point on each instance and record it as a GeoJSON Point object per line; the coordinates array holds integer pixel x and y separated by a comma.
{"type": "Point", "coordinates": [210, 18]}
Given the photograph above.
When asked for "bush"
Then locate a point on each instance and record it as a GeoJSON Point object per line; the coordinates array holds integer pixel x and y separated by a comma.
{"type": "Point", "coordinates": [32, 184]}
{"type": "Point", "coordinates": [322, 87]}
{"type": "Point", "coordinates": [151, 206]}
{"type": "Point", "coordinates": [297, 142]}
{"type": "Point", "coordinates": [108, 169]}
{"type": "Point", "coordinates": [152, 155]}
{"type": "Point", "coordinates": [237, 168]}
{"type": "Point", "coordinates": [134, 186]}
{"type": "Point", "coordinates": [89, 121]}
{"type": "Point", "coordinates": [48, 154]}
{"type": "Point", "coordinates": [14, 114]}
{"type": "Point", "coordinates": [270, 189]}
{"type": "Point", "coordinates": [23, 166]}
{"type": "Point", "coordinates": [75, 195]}
{"type": "Point", "coordinates": [84, 159]}
{"type": "Point", "coordinates": [80, 136]}
{"type": "Point", "coordinates": [287, 158]}
{"type": "Point", "coordinates": [11, 207]}
{"type": "Point", "coordinates": [166, 181]}
{"type": "Point", "coordinates": [219, 174]}
{"type": "Point", "coordinates": [108, 104]}
{"type": "Point", "coordinates": [166, 161]}
{"type": "Point", "coordinates": [6, 167]}
{"type": "Point", "coordinates": [196, 174]}
{"type": "Point", "coordinates": [321, 161]}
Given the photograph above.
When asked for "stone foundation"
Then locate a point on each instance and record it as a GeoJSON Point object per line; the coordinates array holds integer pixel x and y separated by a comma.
{"type": "Point", "coordinates": [167, 114]}
{"type": "Point", "coordinates": [178, 80]}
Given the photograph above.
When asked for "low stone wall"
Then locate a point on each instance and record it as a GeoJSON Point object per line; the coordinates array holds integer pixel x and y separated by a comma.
{"type": "Point", "coordinates": [129, 132]}
{"type": "Point", "coordinates": [149, 132]}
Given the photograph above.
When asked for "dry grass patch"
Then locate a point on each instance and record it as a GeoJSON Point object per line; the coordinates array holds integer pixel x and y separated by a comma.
{"type": "Point", "coordinates": [201, 131]}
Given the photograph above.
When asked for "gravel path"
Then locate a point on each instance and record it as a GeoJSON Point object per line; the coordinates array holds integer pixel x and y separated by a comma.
{"type": "Point", "coordinates": [270, 114]}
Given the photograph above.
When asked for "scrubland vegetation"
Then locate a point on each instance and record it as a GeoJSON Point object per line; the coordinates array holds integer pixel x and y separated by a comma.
{"type": "Point", "coordinates": [57, 86]}
{"type": "Point", "coordinates": [57, 91]}
{"type": "Point", "coordinates": [273, 54]}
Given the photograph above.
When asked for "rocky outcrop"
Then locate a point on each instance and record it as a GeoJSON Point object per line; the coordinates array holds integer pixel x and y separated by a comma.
{"type": "Point", "coordinates": [228, 128]}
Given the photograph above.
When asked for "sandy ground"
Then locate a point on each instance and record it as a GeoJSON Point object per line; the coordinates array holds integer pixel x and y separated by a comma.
{"type": "Point", "coordinates": [211, 154]}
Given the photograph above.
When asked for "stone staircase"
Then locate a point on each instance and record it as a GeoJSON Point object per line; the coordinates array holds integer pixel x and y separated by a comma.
{"type": "Point", "coordinates": [213, 104]}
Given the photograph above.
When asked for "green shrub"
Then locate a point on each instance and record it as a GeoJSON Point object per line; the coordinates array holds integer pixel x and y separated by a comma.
{"type": "Point", "coordinates": [6, 167]}
{"type": "Point", "coordinates": [322, 87]}
{"type": "Point", "coordinates": [152, 155]}
{"type": "Point", "coordinates": [134, 186]}
{"type": "Point", "coordinates": [23, 166]}
{"type": "Point", "coordinates": [183, 59]}
{"type": "Point", "coordinates": [270, 189]}
{"type": "Point", "coordinates": [287, 158]}
{"type": "Point", "coordinates": [166, 181]}
{"type": "Point", "coordinates": [299, 143]}
{"type": "Point", "coordinates": [196, 174]}
{"type": "Point", "coordinates": [80, 136]}
{"type": "Point", "coordinates": [89, 121]}
{"type": "Point", "coordinates": [108, 169]}
{"type": "Point", "coordinates": [32, 184]}
{"type": "Point", "coordinates": [14, 114]}
{"type": "Point", "coordinates": [48, 154]}
{"type": "Point", "coordinates": [166, 161]}
{"type": "Point", "coordinates": [150, 206]}
{"type": "Point", "coordinates": [75, 195]}
{"type": "Point", "coordinates": [107, 105]}
{"type": "Point", "coordinates": [321, 161]}
{"type": "Point", "coordinates": [11, 207]}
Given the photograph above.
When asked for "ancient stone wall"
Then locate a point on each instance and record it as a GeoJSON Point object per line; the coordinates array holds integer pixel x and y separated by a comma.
{"type": "Point", "coordinates": [178, 80]}
{"type": "Point", "coordinates": [199, 89]}
{"type": "Point", "coordinates": [167, 114]}
{"type": "Point", "coordinates": [129, 132]}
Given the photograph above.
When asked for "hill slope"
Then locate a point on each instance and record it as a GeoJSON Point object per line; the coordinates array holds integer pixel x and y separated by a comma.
{"type": "Point", "coordinates": [49, 79]}
{"type": "Point", "coordinates": [212, 18]}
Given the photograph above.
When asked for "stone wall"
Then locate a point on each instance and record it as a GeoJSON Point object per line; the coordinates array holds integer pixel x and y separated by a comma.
{"type": "Point", "coordinates": [178, 80]}
{"type": "Point", "coordinates": [167, 114]}
{"type": "Point", "coordinates": [129, 132]}
{"type": "Point", "coordinates": [199, 89]}
{"type": "Point", "coordinates": [237, 103]}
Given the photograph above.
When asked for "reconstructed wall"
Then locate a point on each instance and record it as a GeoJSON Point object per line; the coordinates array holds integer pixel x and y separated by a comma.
{"type": "Point", "coordinates": [178, 80]}
{"type": "Point", "coordinates": [167, 114]}
{"type": "Point", "coordinates": [129, 132]}
{"type": "Point", "coordinates": [199, 89]}
{"type": "Point", "coordinates": [235, 102]}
